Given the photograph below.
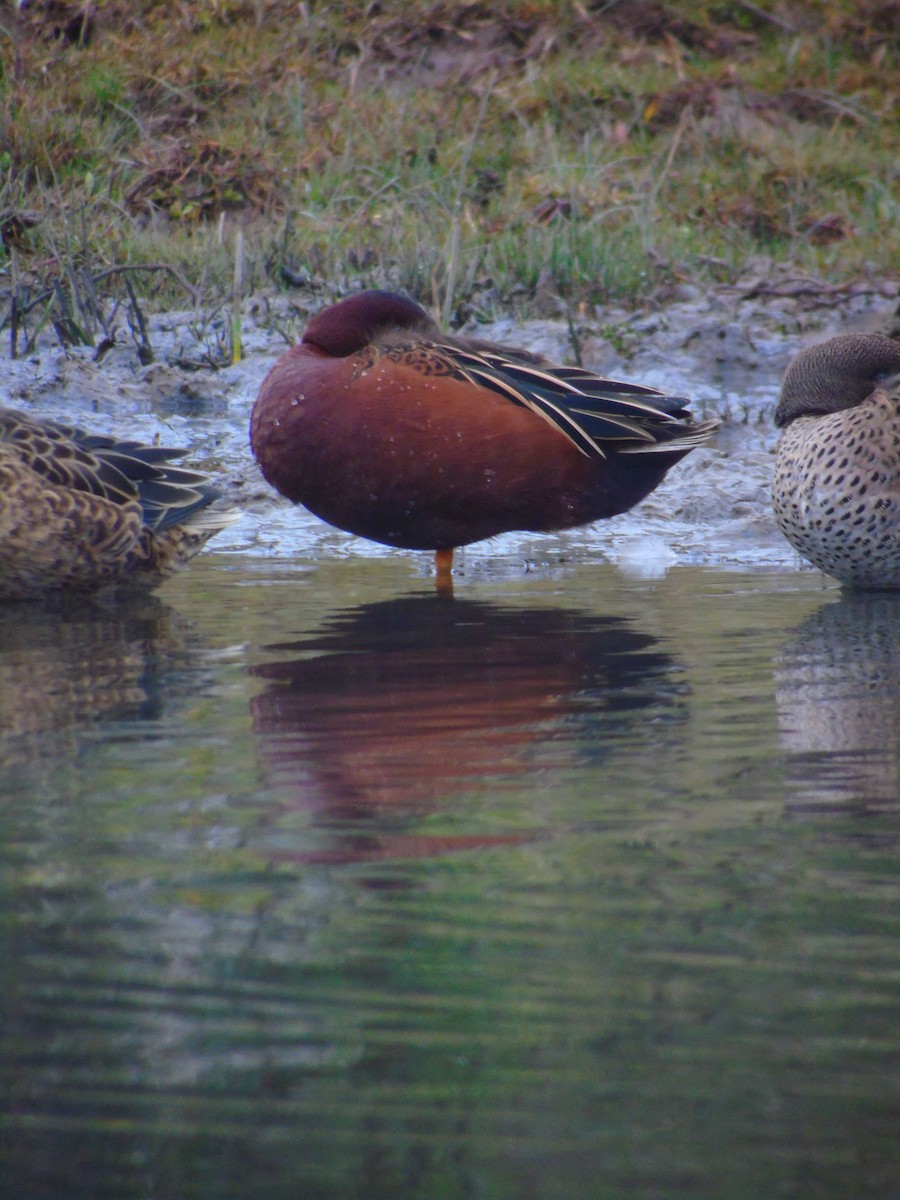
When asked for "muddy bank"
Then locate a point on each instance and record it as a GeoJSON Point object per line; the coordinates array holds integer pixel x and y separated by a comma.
{"type": "Point", "coordinates": [726, 349]}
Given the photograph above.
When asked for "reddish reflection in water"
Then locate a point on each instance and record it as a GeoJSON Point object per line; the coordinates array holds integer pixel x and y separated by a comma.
{"type": "Point", "coordinates": [395, 708]}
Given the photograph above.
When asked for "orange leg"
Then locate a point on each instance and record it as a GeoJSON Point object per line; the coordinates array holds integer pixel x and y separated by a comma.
{"type": "Point", "coordinates": [443, 562]}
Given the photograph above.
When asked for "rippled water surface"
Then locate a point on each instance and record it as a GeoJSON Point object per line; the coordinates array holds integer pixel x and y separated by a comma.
{"type": "Point", "coordinates": [317, 884]}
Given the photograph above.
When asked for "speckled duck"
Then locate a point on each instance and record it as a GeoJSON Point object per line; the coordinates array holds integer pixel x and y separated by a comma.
{"type": "Point", "coordinates": [836, 490]}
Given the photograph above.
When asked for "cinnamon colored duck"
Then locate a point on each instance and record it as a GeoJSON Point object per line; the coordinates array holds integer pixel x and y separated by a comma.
{"type": "Point", "coordinates": [82, 511]}
{"type": "Point", "coordinates": [836, 489]}
{"type": "Point", "coordinates": [384, 426]}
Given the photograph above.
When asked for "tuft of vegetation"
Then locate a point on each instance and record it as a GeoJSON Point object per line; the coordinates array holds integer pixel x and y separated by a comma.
{"type": "Point", "coordinates": [477, 153]}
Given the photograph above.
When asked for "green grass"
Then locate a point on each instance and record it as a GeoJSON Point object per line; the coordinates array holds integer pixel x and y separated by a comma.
{"type": "Point", "coordinates": [477, 154]}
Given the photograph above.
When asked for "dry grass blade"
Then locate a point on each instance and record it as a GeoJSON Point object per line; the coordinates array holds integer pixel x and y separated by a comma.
{"type": "Point", "coordinates": [455, 231]}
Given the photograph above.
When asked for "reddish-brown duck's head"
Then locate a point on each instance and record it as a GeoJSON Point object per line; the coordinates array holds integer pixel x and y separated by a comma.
{"type": "Point", "coordinates": [353, 323]}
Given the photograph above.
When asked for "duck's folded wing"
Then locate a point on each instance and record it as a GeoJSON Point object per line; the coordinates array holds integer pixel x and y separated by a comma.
{"type": "Point", "coordinates": [589, 410]}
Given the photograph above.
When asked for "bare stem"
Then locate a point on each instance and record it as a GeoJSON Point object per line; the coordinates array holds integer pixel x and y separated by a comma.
{"type": "Point", "coordinates": [456, 229]}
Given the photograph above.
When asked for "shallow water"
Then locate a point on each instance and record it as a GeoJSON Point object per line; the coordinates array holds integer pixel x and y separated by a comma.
{"type": "Point", "coordinates": [317, 884]}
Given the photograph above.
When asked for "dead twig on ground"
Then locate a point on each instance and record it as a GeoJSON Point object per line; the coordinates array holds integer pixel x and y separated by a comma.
{"type": "Point", "coordinates": [804, 286]}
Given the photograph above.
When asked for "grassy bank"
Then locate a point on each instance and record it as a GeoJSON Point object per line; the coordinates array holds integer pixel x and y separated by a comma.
{"type": "Point", "coordinates": [512, 152]}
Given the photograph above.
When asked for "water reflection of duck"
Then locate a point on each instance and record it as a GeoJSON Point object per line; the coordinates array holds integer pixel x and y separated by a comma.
{"type": "Point", "coordinates": [837, 690]}
{"type": "Point", "coordinates": [399, 703]}
{"type": "Point", "coordinates": [71, 663]}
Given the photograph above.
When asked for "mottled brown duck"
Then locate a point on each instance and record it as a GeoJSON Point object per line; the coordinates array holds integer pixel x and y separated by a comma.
{"type": "Point", "coordinates": [82, 511]}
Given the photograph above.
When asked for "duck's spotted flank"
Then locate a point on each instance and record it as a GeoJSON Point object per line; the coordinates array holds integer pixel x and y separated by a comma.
{"type": "Point", "coordinates": [836, 490]}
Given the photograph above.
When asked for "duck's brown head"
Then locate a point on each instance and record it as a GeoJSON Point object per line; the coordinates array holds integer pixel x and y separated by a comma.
{"type": "Point", "coordinates": [355, 322]}
{"type": "Point", "coordinates": [836, 375]}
